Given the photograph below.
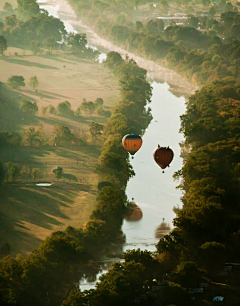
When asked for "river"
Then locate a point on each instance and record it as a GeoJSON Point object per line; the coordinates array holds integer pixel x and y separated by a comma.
{"type": "Point", "coordinates": [155, 192]}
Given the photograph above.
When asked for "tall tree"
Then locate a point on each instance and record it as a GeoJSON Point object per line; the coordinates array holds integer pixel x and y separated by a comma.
{"type": "Point", "coordinates": [3, 44]}
{"type": "Point", "coordinates": [96, 130]}
{"type": "Point", "coordinates": [13, 171]}
{"type": "Point", "coordinates": [33, 82]}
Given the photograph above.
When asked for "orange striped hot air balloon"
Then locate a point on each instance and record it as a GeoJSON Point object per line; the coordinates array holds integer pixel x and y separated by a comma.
{"type": "Point", "coordinates": [163, 156]}
{"type": "Point", "coordinates": [132, 143]}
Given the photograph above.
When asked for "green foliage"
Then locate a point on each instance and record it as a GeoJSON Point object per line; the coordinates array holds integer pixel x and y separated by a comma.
{"type": "Point", "coordinates": [16, 81]}
{"type": "Point", "coordinates": [34, 137]}
{"type": "Point", "coordinates": [51, 109]}
{"type": "Point", "coordinates": [62, 135]}
{"type": "Point", "coordinates": [103, 184]}
{"type": "Point", "coordinates": [33, 82]}
{"type": "Point", "coordinates": [96, 130]}
{"type": "Point", "coordinates": [58, 172]}
{"type": "Point", "coordinates": [35, 47]}
{"type": "Point", "coordinates": [2, 173]}
{"type": "Point", "coordinates": [99, 102]}
{"type": "Point", "coordinates": [174, 294]}
{"type": "Point", "coordinates": [27, 8]}
{"type": "Point", "coordinates": [50, 43]}
{"type": "Point", "coordinates": [3, 44]}
{"type": "Point", "coordinates": [10, 139]}
{"type": "Point", "coordinates": [29, 107]}
{"type": "Point", "coordinates": [212, 256]}
{"type": "Point", "coordinates": [188, 275]}
{"type": "Point", "coordinates": [64, 109]}
{"type": "Point", "coordinates": [13, 171]}
{"type": "Point", "coordinates": [44, 110]}
{"type": "Point", "coordinates": [35, 173]}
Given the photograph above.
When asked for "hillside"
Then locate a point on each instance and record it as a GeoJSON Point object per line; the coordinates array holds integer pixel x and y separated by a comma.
{"type": "Point", "coordinates": [29, 213]}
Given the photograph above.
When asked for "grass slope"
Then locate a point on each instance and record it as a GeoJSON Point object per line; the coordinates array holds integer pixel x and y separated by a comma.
{"type": "Point", "coordinates": [28, 214]}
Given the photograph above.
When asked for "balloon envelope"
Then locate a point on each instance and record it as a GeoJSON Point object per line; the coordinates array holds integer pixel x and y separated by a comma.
{"type": "Point", "coordinates": [163, 156]}
{"type": "Point", "coordinates": [132, 143]}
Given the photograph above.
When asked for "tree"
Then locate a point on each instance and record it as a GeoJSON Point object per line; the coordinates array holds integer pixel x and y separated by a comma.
{"type": "Point", "coordinates": [35, 47]}
{"type": "Point", "coordinates": [96, 130]}
{"type": "Point", "coordinates": [13, 171]}
{"type": "Point", "coordinates": [78, 112]}
{"type": "Point", "coordinates": [8, 8]}
{"type": "Point", "coordinates": [27, 8]}
{"type": "Point", "coordinates": [50, 42]}
{"type": "Point", "coordinates": [35, 137]}
{"type": "Point", "coordinates": [51, 109]}
{"type": "Point", "coordinates": [78, 42]}
{"type": "Point", "coordinates": [212, 256]}
{"type": "Point", "coordinates": [84, 106]}
{"type": "Point", "coordinates": [114, 59]}
{"type": "Point", "coordinates": [64, 109]}
{"type": "Point", "coordinates": [99, 101]}
{"type": "Point", "coordinates": [26, 172]}
{"type": "Point", "coordinates": [33, 82]}
{"type": "Point", "coordinates": [16, 81]}
{"type": "Point", "coordinates": [35, 173]}
{"type": "Point", "coordinates": [3, 44]}
{"type": "Point", "coordinates": [44, 110]}
{"type": "Point", "coordinates": [91, 107]}
{"type": "Point", "coordinates": [29, 107]}
{"type": "Point", "coordinates": [2, 173]}
{"type": "Point", "coordinates": [62, 135]}
{"type": "Point", "coordinates": [58, 172]}
{"type": "Point", "coordinates": [188, 274]}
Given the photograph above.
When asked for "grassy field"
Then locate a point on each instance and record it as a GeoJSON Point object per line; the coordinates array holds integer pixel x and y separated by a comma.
{"type": "Point", "coordinates": [28, 213]}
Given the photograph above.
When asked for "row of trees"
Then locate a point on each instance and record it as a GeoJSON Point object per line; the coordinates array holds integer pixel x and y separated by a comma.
{"type": "Point", "coordinates": [88, 107]}
{"type": "Point", "coordinates": [35, 137]}
{"type": "Point", "coordinates": [29, 26]}
{"type": "Point", "coordinates": [12, 171]}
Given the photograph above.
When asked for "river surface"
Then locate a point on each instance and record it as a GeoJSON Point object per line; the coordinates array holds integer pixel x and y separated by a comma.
{"type": "Point", "coordinates": [155, 192]}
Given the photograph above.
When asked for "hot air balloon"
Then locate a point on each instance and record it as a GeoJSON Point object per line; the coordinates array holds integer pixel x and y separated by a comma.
{"type": "Point", "coordinates": [163, 156]}
{"type": "Point", "coordinates": [132, 143]}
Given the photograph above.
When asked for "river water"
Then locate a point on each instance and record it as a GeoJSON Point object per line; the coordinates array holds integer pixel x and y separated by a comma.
{"type": "Point", "coordinates": [155, 192]}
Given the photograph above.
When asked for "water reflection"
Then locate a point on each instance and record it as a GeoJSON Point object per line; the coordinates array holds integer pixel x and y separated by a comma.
{"type": "Point", "coordinates": [154, 191]}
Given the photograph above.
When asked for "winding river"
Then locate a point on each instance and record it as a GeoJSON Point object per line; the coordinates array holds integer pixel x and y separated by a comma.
{"type": "Point", "coordinates": [155, 192]}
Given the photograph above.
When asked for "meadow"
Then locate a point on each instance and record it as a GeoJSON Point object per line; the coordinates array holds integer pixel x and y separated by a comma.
{"type": "Point", "coordinates": [29, 213]}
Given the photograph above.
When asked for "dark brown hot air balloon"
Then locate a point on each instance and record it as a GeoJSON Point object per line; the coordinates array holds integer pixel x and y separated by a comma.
{"type": "Point", "coordinates": [132, 143]}
{"type": "Point", "coordinates": [163, 156]}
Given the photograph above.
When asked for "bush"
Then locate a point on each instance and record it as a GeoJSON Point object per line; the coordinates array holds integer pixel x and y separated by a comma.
{"type": "Point", "coordinates": [51, 109]}
{"type": "Point", "coordinates": [103, 184]}
{"type": "Point", "coordinates": [28, 107]}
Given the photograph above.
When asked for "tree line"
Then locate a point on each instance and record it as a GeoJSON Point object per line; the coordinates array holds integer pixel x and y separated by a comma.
{"type": "Point", "coordinates": [202, 50]}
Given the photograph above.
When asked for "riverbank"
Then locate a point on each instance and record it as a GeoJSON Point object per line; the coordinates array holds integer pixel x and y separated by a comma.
{"type": "Point", "coordinates": [177, 83]}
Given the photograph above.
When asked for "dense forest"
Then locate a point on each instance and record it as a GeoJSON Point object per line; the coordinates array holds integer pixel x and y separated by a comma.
{"type": "Point", "coordinates": [206, 51]}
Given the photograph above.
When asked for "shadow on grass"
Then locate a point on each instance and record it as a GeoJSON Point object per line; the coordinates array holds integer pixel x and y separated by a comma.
{"type": "Point", "coordinates": [27, 63]}
{"type": "Point", "coordinates": [52, 95]}
{"type": "Point", "coordinates": [57, 59]}
{"type": "Point", "coordinates": [23, 204]}
{"type": "Point", "coordinates": [20, 242]}
{"type": "Point", "coordinates": [69, 177]}
{"type": "Point", "coordinates": [91, 151]}
{"type": "Point", "coordinates": [11, 118]}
